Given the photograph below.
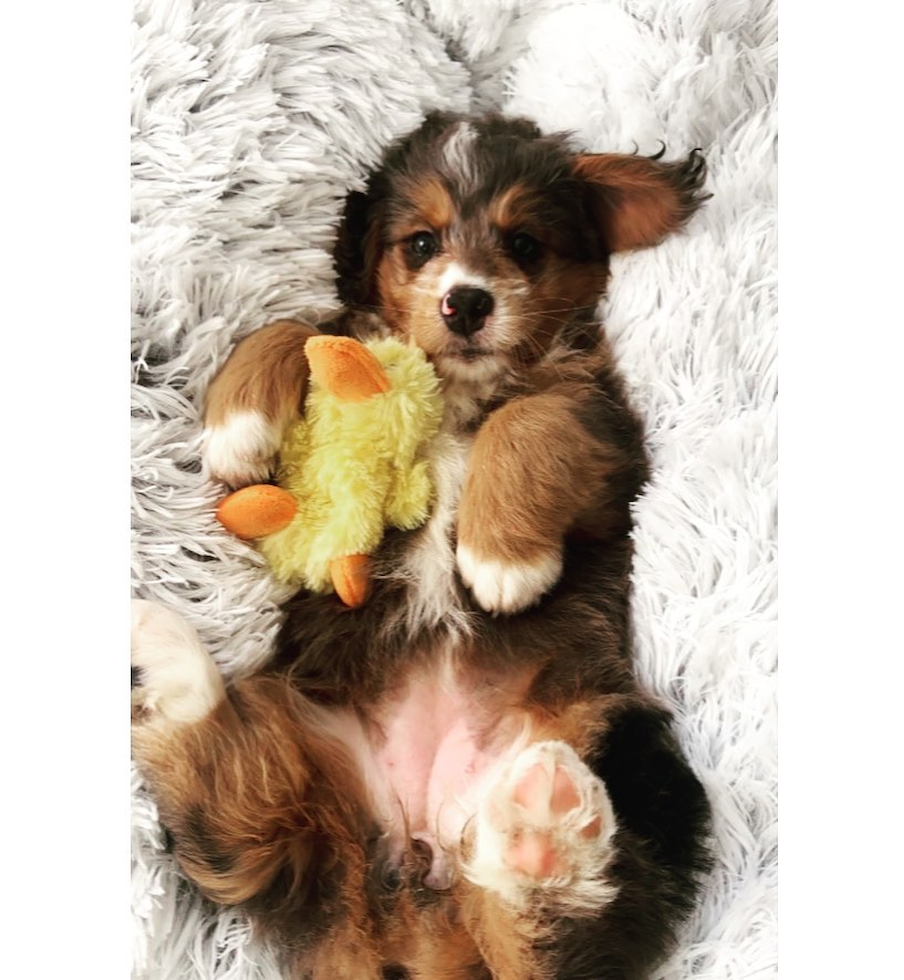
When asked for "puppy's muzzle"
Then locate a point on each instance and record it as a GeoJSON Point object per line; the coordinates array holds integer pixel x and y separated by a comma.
{"type": "Point", "coordinates": [465, 309]}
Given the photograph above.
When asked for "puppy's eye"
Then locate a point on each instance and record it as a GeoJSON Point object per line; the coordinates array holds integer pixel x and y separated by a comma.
{"type": "Point", "coordinates": [422, 246]}
{"type": "Point", "coordinates": [524, 247]}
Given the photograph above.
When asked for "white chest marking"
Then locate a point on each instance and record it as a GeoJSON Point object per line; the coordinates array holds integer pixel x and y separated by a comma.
{"type": "Point", "coordinates": [429, 565]}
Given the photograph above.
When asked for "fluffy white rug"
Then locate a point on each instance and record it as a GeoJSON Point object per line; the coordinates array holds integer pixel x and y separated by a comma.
{"type": "Point", "coordinates": [251, 121]}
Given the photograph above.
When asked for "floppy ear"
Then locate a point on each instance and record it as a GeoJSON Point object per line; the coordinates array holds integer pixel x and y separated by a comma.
{"type": "Point", "coordinates": [358, 248]}
{"type": "Point", "coordinates": [637, 200]}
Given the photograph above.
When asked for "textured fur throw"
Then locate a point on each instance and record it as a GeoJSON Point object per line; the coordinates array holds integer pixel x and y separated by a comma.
{"type": "Point", "coordinates": [251, 122]}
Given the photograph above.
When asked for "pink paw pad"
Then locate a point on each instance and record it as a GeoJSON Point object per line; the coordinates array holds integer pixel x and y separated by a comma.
{"type": "Point", "coordinates": [539, 794]}
{"type": "Point", "coordinates": [533, 853]}
{"type": "Point", "coordinates": [548, 823]}
{"type": "Point", "coordinates": [545, 793]}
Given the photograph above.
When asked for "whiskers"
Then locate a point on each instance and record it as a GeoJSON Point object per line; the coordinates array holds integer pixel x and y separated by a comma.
{"type": "Point", "coordinates": [527, 329]}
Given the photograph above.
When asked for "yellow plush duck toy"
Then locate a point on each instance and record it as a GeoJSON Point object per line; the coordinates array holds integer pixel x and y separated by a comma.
{"type": "Point", "coordinates": [352, 466]}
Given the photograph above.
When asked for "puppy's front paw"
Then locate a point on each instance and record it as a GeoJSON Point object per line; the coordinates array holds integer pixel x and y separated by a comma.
{"type": "Point", "coordinates": [240, 450]}
{"type": "Point", "coordinates": [545, 827]}
{"type": "Point", "coordinates": [508, 586]}
{"type": "Point", "coordinates": [174, 678]}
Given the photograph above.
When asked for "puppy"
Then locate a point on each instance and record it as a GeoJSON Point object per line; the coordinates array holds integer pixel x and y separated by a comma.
{"type": "Point", "coordinates": [462, 778]}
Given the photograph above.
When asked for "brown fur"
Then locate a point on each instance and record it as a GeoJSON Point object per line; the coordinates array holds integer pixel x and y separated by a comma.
{"type": "Point", "coordinates": [254, 792]}
{"type": "Point", "coordinates": [526, 486]}
{"type": "Point", "coordinates": [430, 206]}
{"type": "Point", "coordinates": [509, 943]}
{"type": "Point", "coordinates": [267, 373]}
{"type": "Point", "coordinates": [638, 200]}
{"type": "Point", "coordinates": [265, 802]}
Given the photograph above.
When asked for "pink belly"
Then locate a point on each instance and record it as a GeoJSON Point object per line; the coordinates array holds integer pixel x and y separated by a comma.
{"type": "Point", "coordinates": [435, 747]}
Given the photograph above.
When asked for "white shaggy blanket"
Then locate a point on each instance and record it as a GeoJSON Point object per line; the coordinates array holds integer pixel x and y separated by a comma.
{"type": "Point", "coordinates": [251, 120]}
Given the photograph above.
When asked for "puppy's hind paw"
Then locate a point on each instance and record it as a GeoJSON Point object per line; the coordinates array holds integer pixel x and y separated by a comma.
{"type": "Point", "coordinates": [174, 678]}
{"type": "Point", "coordinates": [546, 829]}
{"type": "Point", "coordinates": [508, 587]}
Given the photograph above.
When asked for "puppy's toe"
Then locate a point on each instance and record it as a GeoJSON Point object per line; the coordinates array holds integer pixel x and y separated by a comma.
{"type": "Point", "coordinates": [241, 450]}
{"type": "Point", "coordinates": [174, 679]}
{"type": "Point", "coordinates": [508, 587]}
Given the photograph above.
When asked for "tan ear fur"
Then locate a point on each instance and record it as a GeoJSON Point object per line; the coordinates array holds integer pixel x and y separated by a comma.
{"type": "Point", "coordinates": [638, 200]}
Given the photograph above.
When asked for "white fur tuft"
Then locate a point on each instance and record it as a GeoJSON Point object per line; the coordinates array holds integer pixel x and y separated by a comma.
{"type": "Point", "coordinates": [508, 587]}
{"type": "Point", "coordinates": [458, 155]}
{"type": "Point", "coordinates": [430, 564]}
{"type": "Point", "coordinates": [241, 450]}
{"type": "Point", "coordinates": [178, 680]}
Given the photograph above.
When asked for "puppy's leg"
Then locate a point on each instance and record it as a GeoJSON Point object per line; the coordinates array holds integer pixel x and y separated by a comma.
{"type": "Point", "coordinates": [542, 465]}
{"type": "Point", "coordinates": [174, 680]}
{"type": "Point", "coordinates": [258, 795]}
{"type": "Point", "coordinates": [537, 858]}
{"type": "Point", "coordinates": [260, 391]}
{"type": "Point", "coordinates": [633, 886]}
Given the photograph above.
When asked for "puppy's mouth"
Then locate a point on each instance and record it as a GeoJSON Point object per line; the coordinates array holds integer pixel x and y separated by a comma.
{"type": "Point", "coordinates": [468, 363]}
{"type": "Point", "coordinates": [471, 348]}
{"type": "Point", "coordinates": [470, 353]}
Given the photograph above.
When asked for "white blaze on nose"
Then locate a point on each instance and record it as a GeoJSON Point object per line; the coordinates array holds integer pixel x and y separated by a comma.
{"type": "Point", "coordinates": [458, 275]}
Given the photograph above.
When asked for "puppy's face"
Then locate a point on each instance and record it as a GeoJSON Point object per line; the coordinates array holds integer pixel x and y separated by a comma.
{"type": "Point", "coordinates": [484, 241]}
{"type": "Point", "coordinates": [485, 257]}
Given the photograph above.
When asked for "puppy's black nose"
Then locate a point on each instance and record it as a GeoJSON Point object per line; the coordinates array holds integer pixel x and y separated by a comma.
{"type": "Point", "coordinates": [465, 308]}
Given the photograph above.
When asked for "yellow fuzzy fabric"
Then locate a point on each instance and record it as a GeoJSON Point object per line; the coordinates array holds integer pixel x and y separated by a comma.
{"type": "Point", "coordinates": [355, 468]}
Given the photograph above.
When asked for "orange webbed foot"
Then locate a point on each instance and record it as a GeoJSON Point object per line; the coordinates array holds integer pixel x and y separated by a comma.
{"type": "Point", "coordinates": [256, 511]}
{"type": "Point", "coordinates": [351, 579]}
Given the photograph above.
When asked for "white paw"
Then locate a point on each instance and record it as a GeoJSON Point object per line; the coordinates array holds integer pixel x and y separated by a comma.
{"type": "Point", "coordinates": [546, 824]}
{"type": "Point", "coordinates": [176, 679]}
{"type": "Point", "coordinates": [508, 587]}
{"type": "Point", "coordinates": [242, 449]}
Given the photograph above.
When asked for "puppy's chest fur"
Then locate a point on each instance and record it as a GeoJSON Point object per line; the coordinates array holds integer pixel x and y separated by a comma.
{"type": "Point", "coordinates": [427, 565]}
